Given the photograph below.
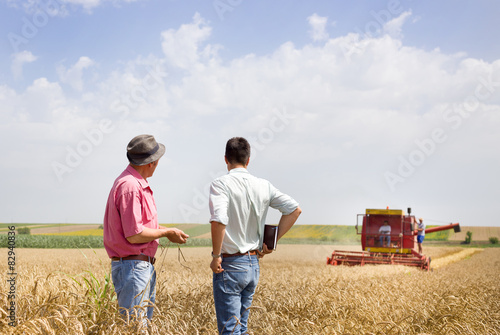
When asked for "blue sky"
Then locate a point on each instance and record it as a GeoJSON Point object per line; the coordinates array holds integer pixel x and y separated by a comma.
{"type": "Point", "coordinates": [348, 104]}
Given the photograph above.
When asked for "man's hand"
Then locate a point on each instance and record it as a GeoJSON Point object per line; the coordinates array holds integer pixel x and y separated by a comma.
{"type": "Point", "coordinates": [218, 230]}
{"type": "Point", "coordinates": [149, 234]}
{"type": "Point", "coordinates": [176, 235]}
{"type": "Point", "coordinates": [216, 265]}
{"type": "Point", "coordinates": [264, 251]}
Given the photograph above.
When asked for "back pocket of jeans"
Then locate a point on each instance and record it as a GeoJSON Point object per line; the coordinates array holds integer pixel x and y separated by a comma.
{"type": "Point", "coordinates": [235, 277]}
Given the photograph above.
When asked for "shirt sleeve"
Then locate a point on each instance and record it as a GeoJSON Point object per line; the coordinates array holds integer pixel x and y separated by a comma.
{"type": "Point", "coordinates": [282, 202]}
{"type": "Point", "coordinates": [218, 203]}
{"type": "Point", "coordinates": [130, 209]}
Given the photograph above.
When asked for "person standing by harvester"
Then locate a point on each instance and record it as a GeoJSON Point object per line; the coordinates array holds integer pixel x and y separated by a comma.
{"type": "Point", "coordinates": [420, 234]}
{"type": "Point", "coordinates": [238, 204]}
{"type": "Point", "coordinates": [131, 229]}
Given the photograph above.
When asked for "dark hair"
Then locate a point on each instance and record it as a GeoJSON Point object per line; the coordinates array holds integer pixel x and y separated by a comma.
{"type": "Point", "coordinates": [237, 150]}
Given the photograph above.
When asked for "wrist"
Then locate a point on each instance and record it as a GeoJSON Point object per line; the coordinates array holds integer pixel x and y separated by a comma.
{"type": "Point", "coordinates": [216, 255]}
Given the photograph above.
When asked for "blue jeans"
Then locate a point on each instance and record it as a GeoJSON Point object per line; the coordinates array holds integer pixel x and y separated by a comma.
{"type": "Point", "coordinates": [135, 285]}
{"type": "Point", "coordinates": [233, 292]}
{"type": "Point", "coordinates": [387, 238]}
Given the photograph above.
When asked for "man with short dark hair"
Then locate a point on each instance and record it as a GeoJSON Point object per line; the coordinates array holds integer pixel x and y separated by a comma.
{"type": "Point", "coordinates": [238, 206]}
{"type": "Point", "coordinates": [131, 229]}
{"type": "Point", "coordinates": [385, 234]}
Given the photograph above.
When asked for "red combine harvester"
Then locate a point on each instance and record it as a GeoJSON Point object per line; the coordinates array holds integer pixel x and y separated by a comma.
{"type": "Point", "coordinates": [398, 247]}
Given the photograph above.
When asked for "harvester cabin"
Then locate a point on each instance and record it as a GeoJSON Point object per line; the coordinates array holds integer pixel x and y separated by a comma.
{"type": "Point", "coordinates": [399, 238]}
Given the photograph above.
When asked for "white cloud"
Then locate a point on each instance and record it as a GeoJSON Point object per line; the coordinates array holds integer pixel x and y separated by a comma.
{"type": "Point", "coordinates": [42, 101]}
{"type": "Point", "coordinates": [318, 25]}
{"type": "Point", "coordinates": [394, 26]}
{"type": "Point", "coordinates": [18, 60]}
{"type": "Point", "coordinates": [7, 103]}
{"type": "Point", "coordinates": [74, 75]}
{"type": "Point", "coordinates": [182, 47]}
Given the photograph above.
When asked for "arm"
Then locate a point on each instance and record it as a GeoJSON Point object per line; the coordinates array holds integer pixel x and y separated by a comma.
{"type": "Point", "coordinates": [149, 234]}
{"type": "Point", "coordinates": [218, 204]}
{"type": "Point", "coordinates": [131, 210]}
{"type": "Point", "coordinates": [286, 222]}
{"type": "Point", "coordinates": [218, 232]}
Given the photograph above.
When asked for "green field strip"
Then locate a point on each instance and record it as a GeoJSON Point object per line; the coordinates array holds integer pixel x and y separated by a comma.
{"type": "Point", "coordinates": [192, 229]}
{"type": "Point", "coordinates": [198, 230]}
{"type": "Point", "coordinates": [323, 233]}
{"type": "Point", "coordinates": [442, 235]}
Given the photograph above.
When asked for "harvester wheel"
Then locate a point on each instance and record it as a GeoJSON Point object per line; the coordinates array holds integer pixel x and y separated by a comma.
{"type": "Point", "coordinates": [427, 264]}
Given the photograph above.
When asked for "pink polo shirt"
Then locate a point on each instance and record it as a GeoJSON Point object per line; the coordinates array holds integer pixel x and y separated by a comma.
{"type": "Point", "coordinates": [129, 209]}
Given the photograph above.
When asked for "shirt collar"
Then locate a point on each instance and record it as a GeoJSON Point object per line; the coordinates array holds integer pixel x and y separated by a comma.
{"type": "Point", "coordinates": [235, 170]}
{"type": "Point", "coordinates": [144, 183]}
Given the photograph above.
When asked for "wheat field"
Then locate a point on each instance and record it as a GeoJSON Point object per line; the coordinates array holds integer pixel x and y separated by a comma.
{"type": "Point", "coordinates": [63, 292]}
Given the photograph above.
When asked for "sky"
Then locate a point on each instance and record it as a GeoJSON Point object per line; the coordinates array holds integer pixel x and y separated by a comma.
{"type": "Point", "coordinates": [348, 105]}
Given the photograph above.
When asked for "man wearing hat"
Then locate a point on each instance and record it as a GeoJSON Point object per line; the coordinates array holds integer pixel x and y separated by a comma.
{"type": "Point", "coordinates": [420, 234]}
{"type": "Point", "coordinates": [131, 229]}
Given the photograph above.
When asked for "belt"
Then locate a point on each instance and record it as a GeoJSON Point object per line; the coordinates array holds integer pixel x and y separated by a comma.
{"type": "Point", "coordinates": [251, 252]}
{"type": "Point", "coordinates": [145, 258]}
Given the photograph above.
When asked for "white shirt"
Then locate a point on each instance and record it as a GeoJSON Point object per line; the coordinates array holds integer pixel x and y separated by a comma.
{"type": "Point", "coordinates": [385, 230]}
{"type": "Point", "coordinates": [240, 201]}
{"type": "Point", "coordinates": [421, 225]}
